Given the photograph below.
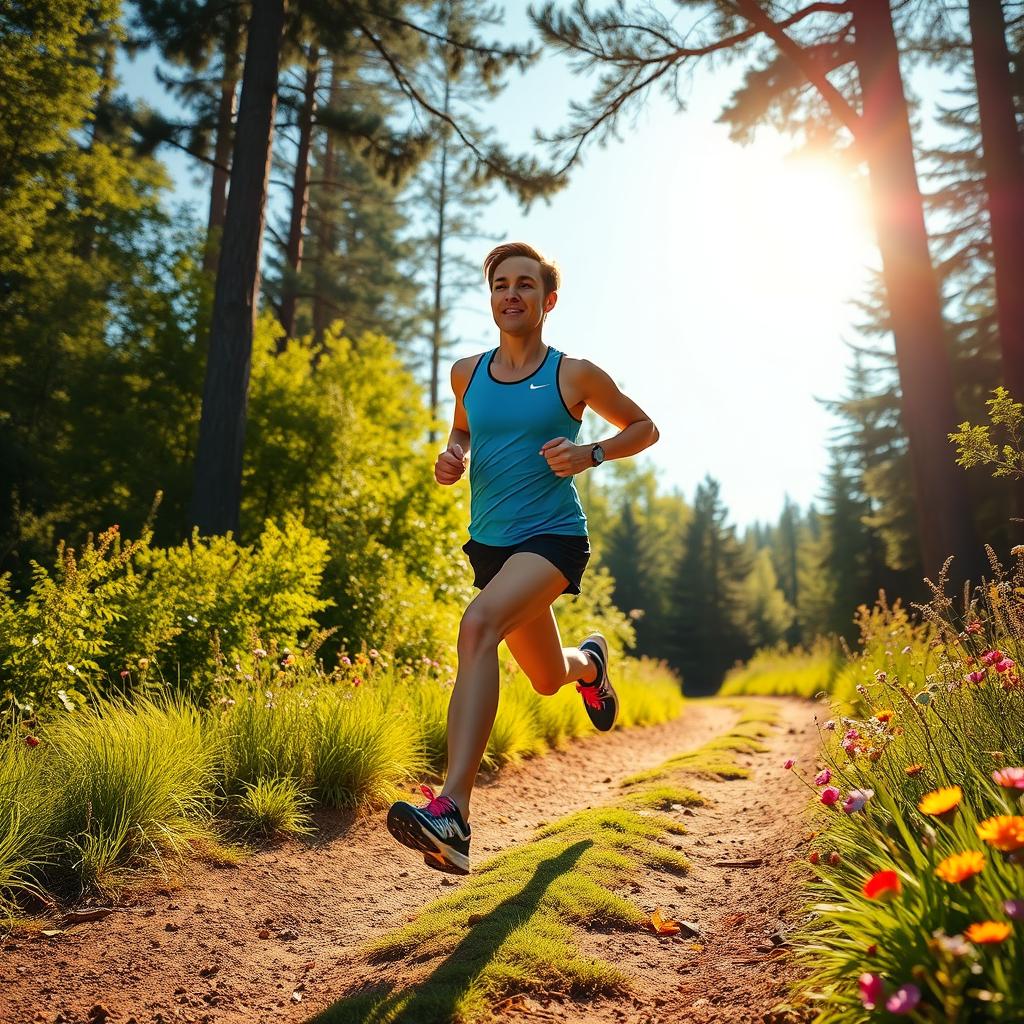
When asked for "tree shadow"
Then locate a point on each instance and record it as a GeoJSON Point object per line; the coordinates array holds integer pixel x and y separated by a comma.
{"type": "Point", "coordinates": [434, 999]}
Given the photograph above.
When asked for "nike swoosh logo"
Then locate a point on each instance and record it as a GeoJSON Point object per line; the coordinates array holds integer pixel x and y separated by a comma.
{"type": "Point", "coordinates": [534, 387]}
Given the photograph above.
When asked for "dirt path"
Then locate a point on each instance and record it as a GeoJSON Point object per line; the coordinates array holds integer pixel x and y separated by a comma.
{"type": "Point", "coordinates": [276, 939]}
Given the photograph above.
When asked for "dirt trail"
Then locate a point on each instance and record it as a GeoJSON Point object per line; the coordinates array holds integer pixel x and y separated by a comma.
{"type": "Point", "coordinates": [194, 953]}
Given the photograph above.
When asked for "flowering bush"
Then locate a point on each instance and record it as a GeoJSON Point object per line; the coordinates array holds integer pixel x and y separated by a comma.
{"type": "Point", "coordinates": [921, 796]}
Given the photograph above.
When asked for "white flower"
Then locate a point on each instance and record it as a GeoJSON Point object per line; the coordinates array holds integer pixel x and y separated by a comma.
{"type": "Point", "coordinates": [72, 669]}
{"type": "Point", "coordinates": [191, 618]}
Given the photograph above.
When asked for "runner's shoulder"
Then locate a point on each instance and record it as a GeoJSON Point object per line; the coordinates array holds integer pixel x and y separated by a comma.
{"type": "Point", "coordinates": [462, 370]}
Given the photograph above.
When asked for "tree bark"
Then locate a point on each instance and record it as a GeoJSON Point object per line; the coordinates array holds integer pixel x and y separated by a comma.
{"type": "Point", "coordinates": [222, 152]}
{"type": "Point", "coordinates": [300, 201]}
{"type": "Point", "coordinates": [1003, 164]}
{"type": "Point", "coordinates": [435, 340]}
{"type": "Point", "coordinates": [927, 405]}
{"type": "Point", "coordinates": [324, 221]}
{"type": "Point", "coordinates": [217, 488]}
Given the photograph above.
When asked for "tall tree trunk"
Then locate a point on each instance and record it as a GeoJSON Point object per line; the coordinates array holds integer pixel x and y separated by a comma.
{"type": "Point", "coordinates": [438, 315]}
{"type": "Point", "coordinates": [300, 201]}
{"type": "Point", "coordinates": [1003, 163]}
{"type": "Point", "coordinates": [222, 151]}
{"type": "Point", "coordinates": [217, 488]}
{"type": "Point", "coordinates": [927, 407]}
{"type": "Point", "coordinates": [325, 223]}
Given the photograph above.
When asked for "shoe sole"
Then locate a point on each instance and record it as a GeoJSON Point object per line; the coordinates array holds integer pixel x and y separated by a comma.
{"type": "Point", "coordinates": [436, 854]}
{"type": "Point", "coordinates": [599, 639]}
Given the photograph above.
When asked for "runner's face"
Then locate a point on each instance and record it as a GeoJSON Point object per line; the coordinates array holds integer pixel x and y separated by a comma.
{"type": "Point", "coordinates": [518, 303]}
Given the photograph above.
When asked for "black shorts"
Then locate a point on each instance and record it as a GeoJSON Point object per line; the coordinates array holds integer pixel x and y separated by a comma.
{"type": "Point", "coordinates": [569, 555]}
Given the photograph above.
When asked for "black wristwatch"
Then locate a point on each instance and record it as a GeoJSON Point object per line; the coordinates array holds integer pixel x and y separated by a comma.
{"type": "Point", "coordinates": [596, 455]}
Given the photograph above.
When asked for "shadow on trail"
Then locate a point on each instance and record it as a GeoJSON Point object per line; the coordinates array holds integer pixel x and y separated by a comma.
{"type": "Point", "coordinates": [434, 999]}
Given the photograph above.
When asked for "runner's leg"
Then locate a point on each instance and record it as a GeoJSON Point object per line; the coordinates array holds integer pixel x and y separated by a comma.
{"type": "Point", "coordinates": [524, 587]}
{"type": "Point", "coordinates": [537, 648]}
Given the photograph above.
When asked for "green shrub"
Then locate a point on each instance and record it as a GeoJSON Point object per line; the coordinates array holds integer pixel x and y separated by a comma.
{"type": "Point", "coordinates": [273, 807]}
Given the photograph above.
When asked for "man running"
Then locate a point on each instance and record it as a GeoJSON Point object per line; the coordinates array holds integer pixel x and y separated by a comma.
{"type": "Point", "coordinates": [519, 406]}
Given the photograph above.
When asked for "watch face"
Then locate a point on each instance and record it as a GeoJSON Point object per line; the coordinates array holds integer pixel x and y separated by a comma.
{"type": "Point", "coordinates": [597, 453]}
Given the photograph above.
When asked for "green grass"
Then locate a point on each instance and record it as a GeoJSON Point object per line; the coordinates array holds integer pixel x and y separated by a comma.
{"type": "Point", "coordinates": [779, 672]}
{"type": "Point", "coordinates": [115, 789]}
{"type": "Point", "coordinates": [509, 929]}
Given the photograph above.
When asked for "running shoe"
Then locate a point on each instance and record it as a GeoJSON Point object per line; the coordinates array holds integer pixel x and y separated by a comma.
{"type": "Point", "coordinates": [438, 831]}
{"type": "Point", "coordinates": [599, 698]}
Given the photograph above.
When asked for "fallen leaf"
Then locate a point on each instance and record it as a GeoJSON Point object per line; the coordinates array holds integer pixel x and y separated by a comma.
{"type": "Point", "coordinates": [663, 924]}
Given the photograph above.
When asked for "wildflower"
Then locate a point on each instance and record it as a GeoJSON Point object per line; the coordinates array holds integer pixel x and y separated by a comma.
{"type": "Point", "coordinates": [32, 741]}
{"type": "Point", "coordinates": [823, 778]}
{"type": "Point", "coordinates": [829, 795]}
{"type": "Point", "coordinates": [872, 990]}
{"type": "Point", "coordinates": [1009, 778]}
{"type": "Point", "coordinates": [374, 653]}
{"type": "Point", "coordinates": [951, 945]}
{"type": "Point", "coordinates": [872, 950]}
{"type": "Point", "coordinates": [991, 657]}
{"type": "Point", "coordinates": [790, 761]}
{"type": "Point", "coordinates": [356, 681]}
{"type": "Point", "coordinates": [124, 673]}
{"type": "Point", "coordinates": [814, 857]}
{"type": "Point", "coordinates": [857, 799]}
{"type": "Point", "coordinates": [830, 725]}
{"type": "Point", "coordinates": [941, 803]}
{"type": "Point", "coordinates": [975, 627]}
{"type": "Point", "coordinates": [884, 716]}
{"type": "Point", "coordinates": [987, 933]}
{"type": "Point", "coordinates": [1005, 832]}
{"type": "Point", "coordinates": [71, 669]}
{"type": "Point", "coordinates": [345, 660]}
{"type": "Point", "coordinates": [882, 885]}
{"type": "Point", "coordinates": [904, 1000]}
{"type": "Point", "coordinates": [1003, 666]}
{"type": "Point", "coordinates": [880, 676]}
{"type": "Point", "coordinates": [143, 663]}
{"type": "Point", "coordinates": [834, 859]}
{"type": "Point", "coordinates": [959, 867]}
{"type": "Point", "coordinates": [914, 769]}
{"type": "Point", "coordinates": [1014, 909]}
{"type": "Point", "coordinates": [288, 660]}
{"type": "Point", "coordinates": [975, 677]}
{"type": "Point", "coordinates": [260, 652]}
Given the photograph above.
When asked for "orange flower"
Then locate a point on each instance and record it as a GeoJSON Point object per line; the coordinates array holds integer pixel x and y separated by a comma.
{"type": "Point", "coordinates": [961, 866]}
{"type": "Point", "coordinates": [988, 932]}
{"type": "Point", "coordinates": [1005, 832]}
{"type": "Point", "coordinates": [882, 885]}
{"type": "Point", "coordinates": [884, 716]}
{"type": "Point", "coordinates": [914, 769]}
{"type": "Point", "coordinates": [941, 802]}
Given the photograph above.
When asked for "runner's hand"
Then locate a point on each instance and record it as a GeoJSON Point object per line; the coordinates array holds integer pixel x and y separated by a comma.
{"type": "Point", "coordinates": [564, 457]}
{"type": "Point", "coordinates": [450, 465]}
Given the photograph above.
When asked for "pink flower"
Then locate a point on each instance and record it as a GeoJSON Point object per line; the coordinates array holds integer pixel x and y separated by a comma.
{"type": "Point", "coordinates": [125, 673]}
{"type": "Point", "coordinates": [373, 652]}
{"type": "Point", "coordinates": [973, 627]}
{"type": "Point", "coordinates": [857, 799]}
{"type": "Point", "coordinates": [823, 778]}
{"type": "Point", "coordinates": [1004, 666]}
{"type": "Point", "coordinates": [829, 795]}
{"type": "Point", "coordinates": [1009, 778]}
{"type": "Point", "coordinates": [356, 681]}
{"type": "Point", "coordinates": [904, 1000]}
{"type": "Point", "coordinates": [790, 761]}
{"type": "Point", "coordinates": [872, 990]}
{"type": "Point", "coordinates": [345, 660]}
{"type": "Point", "coordinates": [852, 734]}
{"type": "Point", "coordinates": [830, 725]}
{"type": "Point", "coordinates": [1014, 909]}
{"type": "Point", "coordinates": [991, 657]}
{"type": "Point", "coordinates": [975, 677]}
{"type": "Point", "coordinates": [32, 741]}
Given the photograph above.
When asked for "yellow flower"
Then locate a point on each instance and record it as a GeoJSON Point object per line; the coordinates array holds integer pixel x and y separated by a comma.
{"type": "Point", "coordinates": [941, 801]}
{"type": "Point", "coordinates": [961, 866]}
{"type": "Point", "coordinates": [884, 716]}
{"type": "Point", "coordinates": [988, 932]}
{"type": "Point", "coordinates": [1005, 832]}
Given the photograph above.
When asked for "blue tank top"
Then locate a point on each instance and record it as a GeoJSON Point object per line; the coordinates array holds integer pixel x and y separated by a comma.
{"type": "Point", "coordinates": [513, 492]}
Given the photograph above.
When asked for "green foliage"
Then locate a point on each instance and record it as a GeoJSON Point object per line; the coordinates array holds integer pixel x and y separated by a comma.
{"type": "Point", "coordinates": [768, 614]}
{"type": "Point", "coordinates": [784, 672]}
{"type": "Point", "coordinates": [975, 447]}
{"type": "Point", "coordinates": [121, 617]}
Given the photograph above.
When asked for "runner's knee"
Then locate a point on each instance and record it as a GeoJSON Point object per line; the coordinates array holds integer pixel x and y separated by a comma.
{"type": "Point", "coordinates": [478, 630]}
{"type": "Point", "coordinates": [547, 685]}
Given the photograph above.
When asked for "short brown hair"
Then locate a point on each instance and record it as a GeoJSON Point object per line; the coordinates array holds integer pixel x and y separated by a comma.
{"type": "Point", "coordinates": [550, 275]}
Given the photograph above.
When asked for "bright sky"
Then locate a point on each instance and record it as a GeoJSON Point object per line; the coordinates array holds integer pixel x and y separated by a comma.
{"type": "Point", "coordinates": [712, 281]}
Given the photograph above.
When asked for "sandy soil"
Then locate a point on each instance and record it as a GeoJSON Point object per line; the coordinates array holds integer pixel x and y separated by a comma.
{"type": "Point", "coordinates": [277, 939]}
